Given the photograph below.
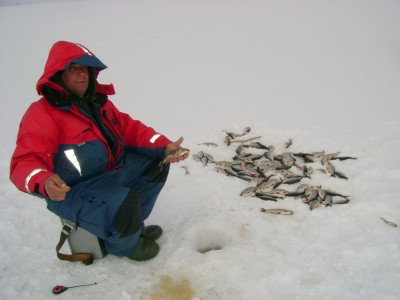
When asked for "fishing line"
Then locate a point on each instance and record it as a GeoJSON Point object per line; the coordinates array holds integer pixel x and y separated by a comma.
{"type": "Point", "coordinates": [58, 289]}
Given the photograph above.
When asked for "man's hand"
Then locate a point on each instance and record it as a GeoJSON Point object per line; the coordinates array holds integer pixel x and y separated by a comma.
{"type": "Point", "coordinates": [171, 147]}
{"type": "Point", "coordinates": [56, 188]}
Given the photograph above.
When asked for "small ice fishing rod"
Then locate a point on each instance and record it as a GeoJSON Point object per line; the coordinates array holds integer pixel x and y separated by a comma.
{"type": "Point", "coordinates": [58, 289]}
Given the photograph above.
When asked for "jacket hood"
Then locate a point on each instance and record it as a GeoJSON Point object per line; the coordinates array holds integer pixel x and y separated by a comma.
{"type": "Point", "coordinates": [61, 55]}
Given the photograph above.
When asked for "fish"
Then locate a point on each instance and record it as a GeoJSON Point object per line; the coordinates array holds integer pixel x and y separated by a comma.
{"type": "Point", "coordinates": [340, 175]}
{"type": "Point", "coordinates": [250, 191]}
{"type": "Point", "coordinates": [292, 179]}
{"type": "Point", "coordinates": [245, 177]}
{"type": "Point", "coordinates": [267, 169]}
{"type": "Point", "coordinates": [223, 163]}
{"type": "Point", "coordinates": [344, 157]}
{"type": "Point", "coordinates": [389, 223]}
{"type": "Point", "coordinates": [277, 211]}
{"type": "Point", "coordinates": [262, 146]}
{"type": "Point", "coordinates": [302, 188]}
{"type": "Point", "coordinates": [314, 204]}
{"type": "Point", "coordinates": [244, 157]}
{"type": "Point", "coordinates": [209, 157]}
{"type": "Point", "coordinates": [256, 145]}
{"type": "Point", "coordinates": [328, 200]}
{"type": "Point", "coordinates": [343, 201]}
{"type": "Point", "coordinates": [196, 157]}
{"type": "Point", "coordinates": [307, 171]}
{"type": "Point", "coordinates": [321, 194]}
{"type": "Point", "coordinates": [240, 150]}
{"type": "Point", "coordinates": [247, 140]}
{"type": "Point", "coordinates": [230, 135]}
{"type": "Point", "coordinates": [271, 183]}
{"type": "Point", "coordinates": [313, 195]}
{"type": "Point", "coordinates": [205, 160]}
{"type": "Point", "coordinates": [294, 194]}
{"type": "Point", "coordinates": [209, 144]}
{"type": "Point", "coordinates": [330, 156]}
{"type": "Point", "coordinates": [267, 198]}
{"type": "Point", "coordinates": [269, 155]}
{"type": "Point", "coordinates": [288, 160]}
{"type": "Point", "coordinates": [288, 143]}
{"type": "Point", "coordinates": [227, 171]}
{"type": "Point", "coordinates": [186, 168]}
{"type": "Point", "coordinates": [332, 193]}
{"type": "Point", "coordinates": [178, 152]}
{"type": "Point", "coordinates": [279, 192]}
{"type": "Point", "coordinates": [287, 173]}
{"type": "Point", "coordinates": [246, 130]}
{"type": "Point", "coordinates": [329, 167]}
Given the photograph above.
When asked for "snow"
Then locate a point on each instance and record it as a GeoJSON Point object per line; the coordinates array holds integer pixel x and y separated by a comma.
{"type": "Point", "coordinates": [325, 73]}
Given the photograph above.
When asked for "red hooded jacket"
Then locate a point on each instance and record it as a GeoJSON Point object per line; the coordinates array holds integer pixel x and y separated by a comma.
{"type": "Point", "coordinates": [55, 136]}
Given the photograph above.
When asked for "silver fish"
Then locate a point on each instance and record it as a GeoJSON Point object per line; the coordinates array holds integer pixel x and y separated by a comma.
{"type": "Point", "coordinates": [239, 150]}
{"type": "Point", "coordinates": [288, 160]}
{"type": "Point", "coordinates": [205, 160]}
{"type": "Point", "coordinates": [277, 211]}
{"type": "Point", "coordinates": [247, 140]}
{"type": "Point", "coordinates": [223, 163]}
{"type": "Point", "coordinates": [342, 201]}
{"type": "Point", "coordinates": [332, 193]}
{"type": "Point", "coordinates": [292, 179]}
{"type": "Point", "coordinates": [329, 167]}
{"type": "Point", "coordinates": [328, 200]}
{"type": "Point", "coordinates": [270, 184]}
{"type": "Point", "coordinates": [209, 144]}
{"type": "Point", "coordinates": [266, 197]}
{"type": "Point", "coordinates": [313, 195]}
{"type": "Point", "coordinates": [344, 157]}
{"type": "Point", "coordinates": [314, 204]}
{"type": "Point", "coordinates": [389, 223]}
{"type": "Point", "coordinates": [186, 168]}
{"type": "Point", "coordinates": [209, 157]}
{"type": "Point", "coordinates": [302, 187]}
{"type": "Point", "coordinates": [288, 143]}
{"type": "Point", "coordinates": [246, 130]}
{"type": "Point", "coordinates": [178, 152]}
{"type": "Point", "coordinates": [277, 192]}
{"type": "Point", "coordinates": [330, 156]}
{"type": "Point", "coordinates": [321, 193]}
{"type": "Point", "coordinates": [221, 170]}
{"type": "Point", "coordinates": [269, 155]}
{"type": "Point", "coordinates": [250, 191]}
{"type": "Point", "coordinates": [196, 157]}
{"type": "Point", "coordinates": [340, 175]}
{"type": "Point", "coordinates": [307, 171]}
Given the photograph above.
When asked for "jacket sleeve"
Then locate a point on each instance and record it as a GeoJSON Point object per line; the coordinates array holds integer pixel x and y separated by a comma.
{"type": "Point", "coordinates": [139, 137]}
{"type": "Point", "coordinates": [32, 160]}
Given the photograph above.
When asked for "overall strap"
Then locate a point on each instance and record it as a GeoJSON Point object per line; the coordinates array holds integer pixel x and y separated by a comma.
{"type": "Point", "coordinates": [86, 258]}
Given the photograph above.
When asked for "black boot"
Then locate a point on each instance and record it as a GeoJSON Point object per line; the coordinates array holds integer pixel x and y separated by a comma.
{"type": "Point", "coordinates": [151, 232]}
{"type": "Point", "coordinates": [147, 249]}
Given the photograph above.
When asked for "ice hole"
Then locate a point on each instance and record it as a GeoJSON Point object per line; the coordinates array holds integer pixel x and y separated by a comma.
{"type": "Point", "coordinates": [210, 239]}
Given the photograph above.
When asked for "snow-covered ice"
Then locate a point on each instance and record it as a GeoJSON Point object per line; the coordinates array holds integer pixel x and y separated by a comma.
{"type": "Point", "coordinates": [325, 73]}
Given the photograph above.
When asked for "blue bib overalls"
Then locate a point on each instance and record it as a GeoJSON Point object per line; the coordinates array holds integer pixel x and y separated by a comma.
{"type": "Point", "coordinates": [114, 205]}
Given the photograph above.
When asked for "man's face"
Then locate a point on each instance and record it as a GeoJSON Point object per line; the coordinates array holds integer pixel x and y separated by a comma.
{"type": "Point", "coordinates": [76, 78]}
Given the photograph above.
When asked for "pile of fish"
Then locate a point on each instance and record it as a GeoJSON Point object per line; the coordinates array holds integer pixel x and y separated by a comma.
{"type": "Point", "coordinates": [268, 171]}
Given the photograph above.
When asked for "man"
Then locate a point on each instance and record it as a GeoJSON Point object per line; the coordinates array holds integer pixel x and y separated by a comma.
{"type": "Point", "coordinates": [94, 165]}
